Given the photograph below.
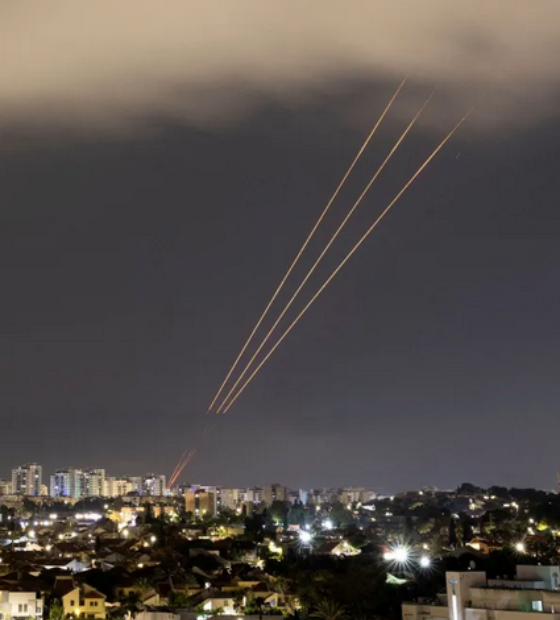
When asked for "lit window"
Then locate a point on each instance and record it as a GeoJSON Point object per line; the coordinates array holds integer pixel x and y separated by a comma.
{"type": "Point", "coordinates": [537, 605]}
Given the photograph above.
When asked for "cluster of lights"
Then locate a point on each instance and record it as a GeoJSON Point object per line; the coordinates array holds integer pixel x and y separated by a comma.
{"type": "Point", "coordinates": [88, 516]}
{"type": "Point", "coordinates": [402, 555]}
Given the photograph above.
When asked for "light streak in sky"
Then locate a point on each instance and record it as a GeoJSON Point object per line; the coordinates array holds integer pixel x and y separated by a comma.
{"type": "Point", "coordinates": [348, 256]}
{"type": "Point", "coordinates": [174, 474]}
{"type": "Point", "coordinates": [188, 455]}
{"type": "Point", "coordinates": [306, 242]}
{"type": "Point", "coordinates": [325, 250]}
{"type": "Point", "coordinates": [179, 469]}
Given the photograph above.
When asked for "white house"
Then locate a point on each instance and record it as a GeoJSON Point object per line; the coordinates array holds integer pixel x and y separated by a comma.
{"type": "Point", "coordinates": [14, 605]}
{"type": "Point", "coordinates": [471, 596]}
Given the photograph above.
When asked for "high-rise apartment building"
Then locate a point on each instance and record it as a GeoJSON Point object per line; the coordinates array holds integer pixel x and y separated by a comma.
{"type": "Point", "coordinates": [117, 487]}
{"type": "Point", "coordinates": [27, 480]}
{"type": "Point", "coordinates": [154, 485]}
{"type": "Point", "coordinates": [93, 483]}
{"type": "Point", "coordinates": [136, 482]}
{"type": "Point", "coordinates": [78, 483]}
{"type": "Point", "coordinates": [274, 493]}
{"type": "Point", "coordinates": [64, 483]}
{"type": "Point", "coordinates": [200, 503]}
{"type": "Point", "coordinates": [232, 498]}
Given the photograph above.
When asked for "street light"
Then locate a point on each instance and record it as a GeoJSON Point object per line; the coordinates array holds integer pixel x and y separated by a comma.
{"type": "Point", "coordinates": [401, 555]}
{"type": "Point", "coordinates": [425, 561]}
{"type": "Point", "coordinates": [305, 537]}
{"type": "Point", "coordinates": [520, 547]}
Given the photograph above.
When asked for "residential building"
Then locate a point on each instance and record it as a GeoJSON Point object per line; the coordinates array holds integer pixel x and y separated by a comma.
{"type": "Point", "coordinates": [154, 485]}
{"type": "Point", "coordinates": [117, 487]}
{"type": "Point", "coordinates": [136, 482]}
{"type": "Point", "coordinates": [5, 487]}
{"type": "Point", "coordinates": [471, 596]}
{"type": "Point", "coordinates": [254, 495]}
{"type": "Point", "coordinates": [83, 601]}
{"type": "Point", "coordinates": [66, 483]}
{"type": "Point", "coordinates": [200, 503]}
{"type": "Point", "coordinates": [356, 495]}
{"type": "Point", "coordinates": [21, 605]}
{"type": "Point", "coordinates": [232, 498]}
{"type": "Point", "coordinates": [273, 493]}
{"type": "Point", "coordinates": [77, 483]}
{"type": "Point", "coordinates": [27, 480]}
{"type": "Point", "coordinates": [93, 483]}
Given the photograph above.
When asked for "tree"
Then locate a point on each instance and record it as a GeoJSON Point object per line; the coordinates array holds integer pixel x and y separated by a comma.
{"type": "Point", "coordinates": [296, 514]}
{"type": "Point", "coordinates": [279, 512]}
{"type": "Point", "coordinates": [281, 585]}
{"type": "Point", "coordinates": [143, 586]}
{"type": "Point", "coordinates": [56, 611]}
{"type": "Point", "coordinates": [409, 531]}
{"type": "Point", "coordinates": [452, 533]}
{"type": "Point", "coordinates": [329, 610]}
{"type": "Point", "coordinates": [259, 602]}
{"type": "Point", "coordinates": [469, 489]}
{"type": "Point", "coordinates": [131, 603]}
{"type": "Point", "coordinates": [178, 599]}
{"type": "Point", "coordinates": [254, 526]}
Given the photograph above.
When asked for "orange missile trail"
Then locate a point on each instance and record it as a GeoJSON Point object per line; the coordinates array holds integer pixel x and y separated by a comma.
{"type": "Point", "coordinates": [305, 244]}
{"type": "Point", "coordinates": [188, 458]}
{"type": "Point", "coordinates": [183, 456]}
{"type": "Point", "coordinates": [325, 250]}
{"type": "Point", "coordinates": [173, 476]}
{"type": "Point", "coordinates": [350, 254]}
{"type": "Point", "coordinates": [188, 455]}
{"type": "Point", "coordinates": [184, 463]}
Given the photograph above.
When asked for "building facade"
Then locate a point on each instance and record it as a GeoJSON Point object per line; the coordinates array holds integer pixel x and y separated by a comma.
{"type": "Point", "coordinates": [27, 480]}
{"type": "Point", "coordinates": [78, 483]}
{"type": "Point", "coordinates": [200, 503]}
{"type": "Point", "coordinates": [274, 493]}
{"type": "Point", "coordinates": [117, 487]}
{"type": "Point", "coordinates": [21, 605]}
{"type": "Point", "coordinates": [154, 485]}
{"type": "Point", "coordinates": [471, 596]}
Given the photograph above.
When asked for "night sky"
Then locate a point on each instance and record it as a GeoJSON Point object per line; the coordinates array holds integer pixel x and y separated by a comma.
{"type": "Point", "coordinates": [156, 182]}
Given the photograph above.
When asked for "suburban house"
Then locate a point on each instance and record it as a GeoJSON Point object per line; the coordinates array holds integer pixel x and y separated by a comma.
{"type": "Point", "coordinates": [338, 548]}
{"type": "Point", "coordinates": [471, 596]}
{"type": "Point", "coordinates": [83, 601]}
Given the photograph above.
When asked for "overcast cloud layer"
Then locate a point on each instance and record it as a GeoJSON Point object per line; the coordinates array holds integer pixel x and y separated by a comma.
{"type": "Point", "coordinates": [108, 64]}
